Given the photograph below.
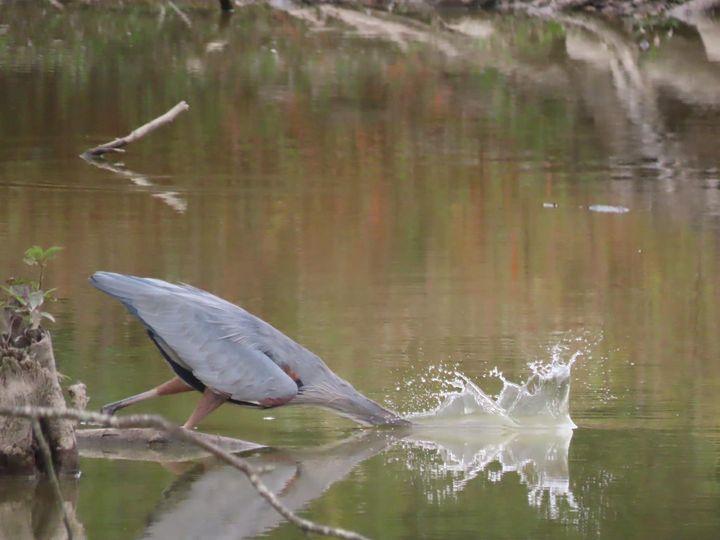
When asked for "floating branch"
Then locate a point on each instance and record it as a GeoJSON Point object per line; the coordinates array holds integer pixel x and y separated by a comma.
{"type": "Point", "coordinates": [174, 431]}
{"type": "Point", "coordinates": [118, 144]}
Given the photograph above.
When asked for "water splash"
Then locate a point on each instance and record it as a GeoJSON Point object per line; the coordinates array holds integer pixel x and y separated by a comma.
{"type": "Point", "coordinates": [540, 402]}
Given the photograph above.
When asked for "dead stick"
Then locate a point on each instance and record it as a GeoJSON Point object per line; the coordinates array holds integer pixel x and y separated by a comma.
{"type": "Point", "coordinates": [50, 471]}
{"type": "Point", "coordinates": [180, 14]}
{"type": "Point", "coordinates": [158, 422]}
{"type": "Point", "coordinates": [118, 144]}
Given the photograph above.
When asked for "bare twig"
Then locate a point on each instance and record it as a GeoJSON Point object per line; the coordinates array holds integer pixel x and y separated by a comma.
{"type": "Point", "coordinates": [158, 422]}
{"type": "Point", "coordinates": [118, 144]}
{"type": "Point", "coordinates": [180, 14]}
{"type": "Point", "coordinates": [50, 471]}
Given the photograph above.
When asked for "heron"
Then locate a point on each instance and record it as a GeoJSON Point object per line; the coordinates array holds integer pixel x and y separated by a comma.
{"type": "Point", "coordinates": [229, 355]}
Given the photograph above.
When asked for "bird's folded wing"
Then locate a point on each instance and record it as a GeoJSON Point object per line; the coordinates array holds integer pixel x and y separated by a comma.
{"type": "Point", "coordinates": [198, 335]}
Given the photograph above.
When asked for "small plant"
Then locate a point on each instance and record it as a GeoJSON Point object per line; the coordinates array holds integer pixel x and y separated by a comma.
{"type": "Point", "coordinates": [22, 300]}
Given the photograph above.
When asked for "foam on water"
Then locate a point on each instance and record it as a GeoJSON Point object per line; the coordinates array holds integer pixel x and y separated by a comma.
{"type": "Point", "coordinates": [540, 402]}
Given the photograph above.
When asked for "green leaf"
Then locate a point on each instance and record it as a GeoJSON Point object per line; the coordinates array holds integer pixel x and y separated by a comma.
{"type": "Point", "coordinates": [51, 252]}
{"type": "Point", "coordinates": [49, 293]}
{"type": "Point", "coordinates": [33, 255]}
{"type": "Point", "coordinates": [47, 316]}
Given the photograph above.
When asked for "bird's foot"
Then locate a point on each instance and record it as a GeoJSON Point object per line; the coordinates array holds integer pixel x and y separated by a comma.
{"type": "Point", "coordinates": [110, 409]}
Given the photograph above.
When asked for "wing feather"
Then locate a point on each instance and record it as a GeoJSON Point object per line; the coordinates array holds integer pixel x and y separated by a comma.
{"type": "Point", "coordinates": [219, 342]}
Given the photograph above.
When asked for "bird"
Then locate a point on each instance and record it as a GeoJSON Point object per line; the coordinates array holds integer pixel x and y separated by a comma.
{"type": "Point", "coordinates": [230, 355]}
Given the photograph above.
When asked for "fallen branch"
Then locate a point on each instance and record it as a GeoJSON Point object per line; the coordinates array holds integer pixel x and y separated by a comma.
{"type": "Point", "coordinates": [145, 444]}
{"type": "Point", "coordinates": [158, 422]}
{"type": "Point", "coordinates": [118, 144]}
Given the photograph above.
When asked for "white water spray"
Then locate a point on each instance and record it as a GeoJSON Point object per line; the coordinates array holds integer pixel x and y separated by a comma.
{"type": "Point", "coordinates": [540, 402]}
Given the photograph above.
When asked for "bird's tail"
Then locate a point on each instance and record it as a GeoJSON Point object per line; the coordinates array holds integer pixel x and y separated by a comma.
{"type": "Point", "coordinates": [131, 290]}
{"type": "Point", "coordinates": [128, 288]}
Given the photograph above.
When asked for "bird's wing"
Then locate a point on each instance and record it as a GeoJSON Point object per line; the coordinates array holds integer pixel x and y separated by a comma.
{"type": "Point", "coordinates": [211, 337]}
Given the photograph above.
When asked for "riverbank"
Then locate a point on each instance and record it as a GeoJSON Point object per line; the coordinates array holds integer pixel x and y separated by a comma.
{"type": "Point", "coordinates": [612, 8]}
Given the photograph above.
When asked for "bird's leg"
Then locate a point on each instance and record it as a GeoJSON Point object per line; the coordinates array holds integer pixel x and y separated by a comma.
{"type": "Point", "coordinates": [209, 401]}
{"type": "Point", "coordinates": [173, 386]}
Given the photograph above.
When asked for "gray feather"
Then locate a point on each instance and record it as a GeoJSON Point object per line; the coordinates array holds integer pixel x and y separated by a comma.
{"type": "Point", "coordinates": [233, 352]}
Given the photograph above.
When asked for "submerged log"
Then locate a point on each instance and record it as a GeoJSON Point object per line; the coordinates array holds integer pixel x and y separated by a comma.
{"type": "Point", "coordinates": [28, 376]}
{"type": "Point", "coordinates": [146, 444]}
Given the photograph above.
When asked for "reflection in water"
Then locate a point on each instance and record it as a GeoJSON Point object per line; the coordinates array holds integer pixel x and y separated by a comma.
{"type": "Point", "coordinates": [708, 28]}
{"type": "Point", "coordinates": [220, 503]}
{"type": "Point", "coordinates": [211, 501]}
{"type": "Point", "coordinates": [593, 40]}
{"type": "Point", "coordinates": [171, 198]}
{"type": "Point", "coordinates": [29, 510]}
{"type": "Point", "coordinates": [540, 459]}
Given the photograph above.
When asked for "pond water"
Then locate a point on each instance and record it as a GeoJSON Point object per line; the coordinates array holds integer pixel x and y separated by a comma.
{"type": "Point", "coordinates": [420, 200]}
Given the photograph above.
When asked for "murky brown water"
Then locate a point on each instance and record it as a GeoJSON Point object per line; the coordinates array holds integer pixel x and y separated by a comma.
{"type": "Point", "coordinates": [394, 195]}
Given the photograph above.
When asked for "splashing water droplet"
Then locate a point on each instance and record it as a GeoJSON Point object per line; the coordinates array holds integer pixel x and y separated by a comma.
{"type": "Point", "coordinates": [540, 402]}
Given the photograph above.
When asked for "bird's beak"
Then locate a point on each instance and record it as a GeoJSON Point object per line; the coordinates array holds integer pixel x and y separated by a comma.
{"type": "Point", "coordinates": [366, 411]}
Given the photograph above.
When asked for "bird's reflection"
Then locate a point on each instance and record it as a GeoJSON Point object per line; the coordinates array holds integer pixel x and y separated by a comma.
{"type": "Point", "coordinates": [229, 505]}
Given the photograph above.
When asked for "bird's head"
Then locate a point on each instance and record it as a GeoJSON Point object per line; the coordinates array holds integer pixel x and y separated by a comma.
{"type": "Point", "coordinates": [342, 398]}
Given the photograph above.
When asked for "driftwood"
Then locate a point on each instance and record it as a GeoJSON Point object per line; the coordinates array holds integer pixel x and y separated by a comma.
{"type": "Point", "coordinates": [144, 444]}
{"type": "Point", "coordinates": [171, 430]}
{"type": "Point", "coordinates": [118, 144]}
{"type": "Point", "coordinates": [28, 377]}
